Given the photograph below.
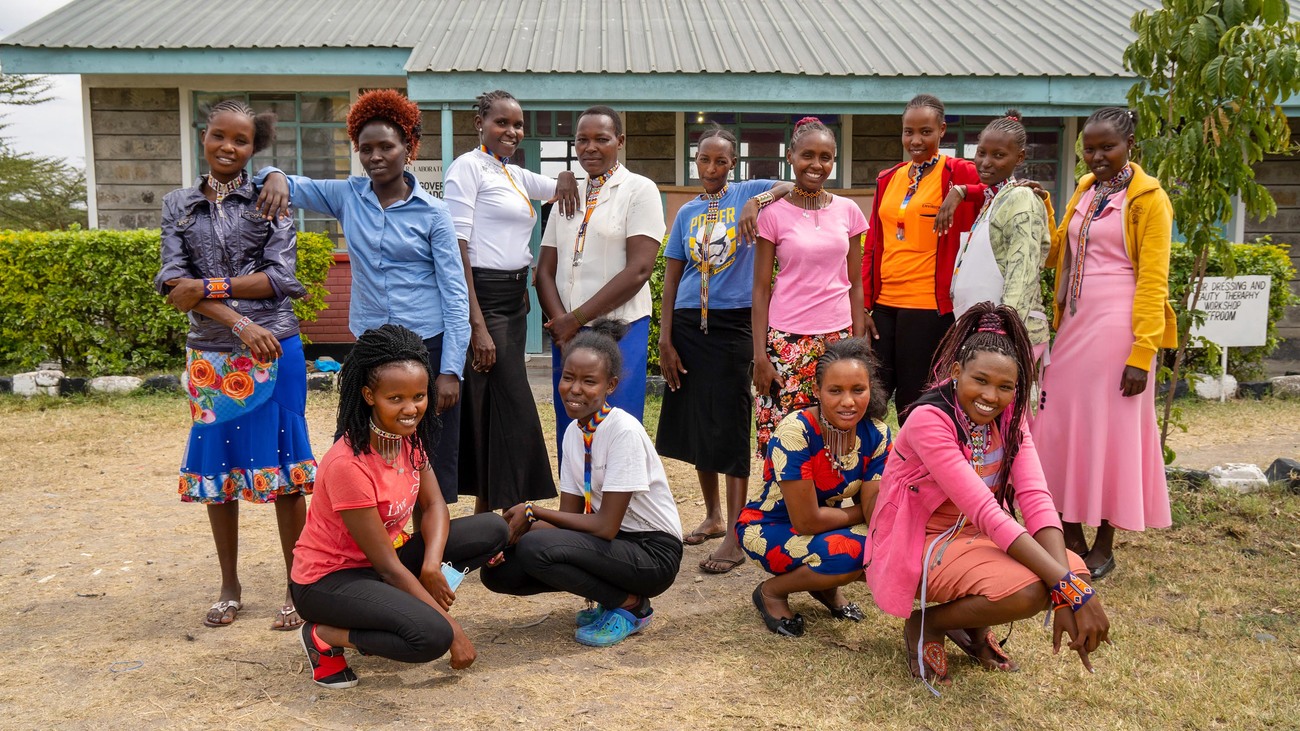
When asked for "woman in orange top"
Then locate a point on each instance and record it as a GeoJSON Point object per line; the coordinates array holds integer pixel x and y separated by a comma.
{"type": "Point", "coordinates": [906, 265]}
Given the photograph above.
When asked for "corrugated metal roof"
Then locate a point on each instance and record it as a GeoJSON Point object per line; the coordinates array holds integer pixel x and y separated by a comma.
{"type": "Point", "coordinates": [811, 37]}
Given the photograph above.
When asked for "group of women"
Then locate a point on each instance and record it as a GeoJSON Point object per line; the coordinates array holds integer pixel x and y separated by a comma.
{"type": "Point", "coordinates": [934, 299]}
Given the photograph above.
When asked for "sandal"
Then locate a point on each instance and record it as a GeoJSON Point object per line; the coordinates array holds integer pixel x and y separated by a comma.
{"type": "Point", "coordinates": [695, 538]}
{"type": "Point", "coordinates": [713, 565]}
{"type": "Point", "coordinates": [285, 624]}
{"type": "Point", "coordinates": [221, 609]}
{"type": "Point", "coordinates": [978, 649]}
{"type": "Point", "coordinates": [933, 655]}
{"type": "Point", "coordinates": [784, 626]}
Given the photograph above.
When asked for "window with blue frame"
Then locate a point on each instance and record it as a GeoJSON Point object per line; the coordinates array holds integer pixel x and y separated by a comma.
{"type": "Point", "coordinates": [764, 139]}
{"type": "Point", "coordinates": [1043, 151]}
{"type": "Point", "coordinates": [311, 139]}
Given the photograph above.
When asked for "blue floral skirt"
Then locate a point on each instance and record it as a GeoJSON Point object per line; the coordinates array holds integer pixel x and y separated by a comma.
{"type": "Point", "coordinates": [249, 437]}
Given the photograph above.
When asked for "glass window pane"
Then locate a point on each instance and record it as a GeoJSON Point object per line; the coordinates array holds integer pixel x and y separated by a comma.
{"type": "Point", "coordinates": [282, 104]}
{"type": "Point", "coordinates": [324, 107]}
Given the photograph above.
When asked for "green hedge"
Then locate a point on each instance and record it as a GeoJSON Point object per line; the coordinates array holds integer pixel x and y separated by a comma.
{"type": "Point", "coordinates": [86, 299]}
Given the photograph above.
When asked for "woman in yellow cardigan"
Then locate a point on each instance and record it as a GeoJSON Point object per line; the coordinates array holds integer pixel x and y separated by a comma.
{"type": "Point", "coordinates": [1096, 427]}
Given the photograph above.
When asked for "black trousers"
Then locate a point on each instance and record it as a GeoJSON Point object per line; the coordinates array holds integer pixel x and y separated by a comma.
{"type": "Point", "coordinates": [386, 621]}
{"type": "Point", "coordinates": [908, 340]}
{"type": "Point", "coordinates": [603, 571]}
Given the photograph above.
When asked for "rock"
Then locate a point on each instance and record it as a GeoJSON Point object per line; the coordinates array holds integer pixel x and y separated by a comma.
{"type": "Point", "coordinates": [37, 383]}
{"type": "Point", "coordinates": [1256, 389]}
{"type": "Point", "coordinates": [1213, 388]}
{"type": "Point", "coordinates": [6, 384]}
{"type": "Point", "coordinates": [1265, 637]}
{"type": "Point", "coordinates": [1238, 476]}
{"type": "Point", "coordinates": [49, 365]}
{"type": "Point", "coordinates": [1286, 471]}
{"type": "Point", "coordinates": [114, 384]}
{"type": "Point", "coordinates": [1286, 386]}
{"type": "Point", "coordinates": [320, 381]}
{"type": "Point", "coordinates": [69, 386]}
{"type": "Point", "coordinates": [166, 383]}
{"type": "Point", "coordinates": [654, 385]}
{"type": "Point", "coordinates": [1195, 479]}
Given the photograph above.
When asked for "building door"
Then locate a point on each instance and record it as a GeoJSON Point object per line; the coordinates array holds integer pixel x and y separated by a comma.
{"type": "Point", "coordinates": [548, 150]}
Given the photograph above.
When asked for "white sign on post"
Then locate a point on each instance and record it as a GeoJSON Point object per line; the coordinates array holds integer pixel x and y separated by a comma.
{"type": "Point", "coordinates": [1236, 314]}
{"type": "Point", "coordinates": [429, 175]}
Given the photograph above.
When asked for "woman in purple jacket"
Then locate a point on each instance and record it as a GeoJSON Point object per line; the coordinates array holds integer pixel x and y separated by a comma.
{"type": "Point", "coordinates": [944, 524]}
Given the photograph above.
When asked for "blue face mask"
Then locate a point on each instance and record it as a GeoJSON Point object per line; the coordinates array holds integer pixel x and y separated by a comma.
{"type": "Point", "coordinates": [452, 576]}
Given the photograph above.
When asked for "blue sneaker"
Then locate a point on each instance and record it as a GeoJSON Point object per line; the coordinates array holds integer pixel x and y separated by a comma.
{"type": "Point", "coordinates": [589, 615]}
{"type": "Point", "coordinates": [611, 628]}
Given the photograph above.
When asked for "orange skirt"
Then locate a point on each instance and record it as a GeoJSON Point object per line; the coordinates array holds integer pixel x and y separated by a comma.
{"type": "Point", "coordinates": [973, 565]}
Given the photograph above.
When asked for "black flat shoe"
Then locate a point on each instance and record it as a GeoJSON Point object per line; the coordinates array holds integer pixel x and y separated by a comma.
{"type": "Point", "coordinates": [784, 626]}
{"type": "Point", "coordinates": [1103, 570]}
{"type": "Point", "coordinates": [850, 611]}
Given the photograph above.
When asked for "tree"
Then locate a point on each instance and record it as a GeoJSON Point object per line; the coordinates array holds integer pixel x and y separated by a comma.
{"type": "Point", "coordinates": [36, 192]}
{"type": "Point", "coordinates": [1212, 75]}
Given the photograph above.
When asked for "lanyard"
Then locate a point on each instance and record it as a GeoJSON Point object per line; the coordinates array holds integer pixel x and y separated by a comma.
{"type": "Point", "coordinates": [703, 253]}
{"type": "Point", "coordinates": [589, 434]}
{"type": "Point", "coordinates": [915, 172]}
{"type": "Point", "coordinates": [593, 195]}
{"type": "Point", "coordinates": [504, 162]}
{"type": "Point", "coordinates": [1104, 192]}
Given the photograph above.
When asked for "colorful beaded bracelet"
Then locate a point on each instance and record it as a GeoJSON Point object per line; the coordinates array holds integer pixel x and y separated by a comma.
{"type": "Point", "coordinates": [1071, 591]}
{"type": "Point", "coordinates": [528, 513]}
{"type": "Point", "coordinates": [240, 325]}
{"type": "Point", "coordinates": [216, 289]}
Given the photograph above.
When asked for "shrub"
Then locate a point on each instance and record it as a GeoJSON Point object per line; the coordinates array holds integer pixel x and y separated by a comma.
{"type": "Point", "coordinates": [656, 299]}
{"type": "Point", "coordinates": [86, 299]}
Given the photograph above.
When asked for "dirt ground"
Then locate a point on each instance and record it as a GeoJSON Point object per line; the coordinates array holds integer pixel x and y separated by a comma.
{"type": "Point", "coordinates": [106, 578]}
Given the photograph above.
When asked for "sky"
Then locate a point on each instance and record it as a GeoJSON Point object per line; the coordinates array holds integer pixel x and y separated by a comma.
{"type": "Point", "coordinates": [52, 129]}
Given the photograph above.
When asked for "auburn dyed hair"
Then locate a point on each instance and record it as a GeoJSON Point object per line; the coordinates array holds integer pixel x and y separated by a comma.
{"type": "Point", "coordinates": [386, 105]}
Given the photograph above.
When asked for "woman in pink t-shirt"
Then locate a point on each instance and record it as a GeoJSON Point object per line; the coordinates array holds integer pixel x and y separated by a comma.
{"type": "Point", "coordinates": [815, 239]}
{"type": "Point", "coordinates": [359, 579]}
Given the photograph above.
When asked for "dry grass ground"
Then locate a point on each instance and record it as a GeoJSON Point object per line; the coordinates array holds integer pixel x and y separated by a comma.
{"type": "Point", "coordinates": [107, 575]}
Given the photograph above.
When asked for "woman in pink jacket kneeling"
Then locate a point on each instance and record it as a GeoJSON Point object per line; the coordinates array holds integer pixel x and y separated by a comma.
{"type": "Point", "coordinates": [944, 527]}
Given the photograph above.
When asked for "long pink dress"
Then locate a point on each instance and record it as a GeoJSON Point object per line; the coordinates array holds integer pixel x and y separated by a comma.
{"type": "Point", "coordinates": [1100, 450]}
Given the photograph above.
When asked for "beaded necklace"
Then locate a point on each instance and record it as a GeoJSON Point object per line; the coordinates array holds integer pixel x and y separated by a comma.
{"type": "Point", "coordinates": [389, 447]}
{"type": "Point", "coordinates": [1103, 193]}
{"type": "Point", "coordinates": [593, 194]}
{"type": "Point", "coordinates": [504, 162]}
{"type": "Point", "coordinates": [702, 252]}
{"type": "Point", "coordinates": [839, 443]}
{"type": "Point", "coordinates": [977, 437]}
{"type": "Point", "coordinates": [915, 172]}
{"type": "Point", "coordinates": [224, 189]}
{"type": "Point", "coordinates": [588, 435]}
{"type": "Point", "coordinates": [811, 201]}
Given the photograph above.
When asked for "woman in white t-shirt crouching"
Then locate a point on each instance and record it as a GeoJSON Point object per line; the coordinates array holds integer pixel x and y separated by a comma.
{"type": "Point", "coordinates": [616, 539]}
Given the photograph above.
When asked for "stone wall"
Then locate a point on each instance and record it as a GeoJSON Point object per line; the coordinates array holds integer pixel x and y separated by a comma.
{"type": "Point", "coordinates": [651, 145]}
{"type": "Point", "coordinates": [1281, 175]}
{"type": "Point", "coordinates": [876, 146]}
{"type": "Point", "coordinates": [137, 148]}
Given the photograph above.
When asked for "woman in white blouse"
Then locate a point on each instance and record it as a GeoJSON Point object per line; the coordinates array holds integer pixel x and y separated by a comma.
{"type": "Point", "coordinates": [503, 459]}
{"type": "Point", "coordinates": [598, 264]}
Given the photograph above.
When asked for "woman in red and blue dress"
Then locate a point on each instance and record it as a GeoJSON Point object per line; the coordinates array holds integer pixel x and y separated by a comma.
{"type": "Point", "coordinates": [820, 475]}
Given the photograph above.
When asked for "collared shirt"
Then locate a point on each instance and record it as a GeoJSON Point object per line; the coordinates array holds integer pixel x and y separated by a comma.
{"type": "Point", "coordinates": [628, 205]}
{"type": "Point", "coordinates": [406, 266]}
{"type": "Point", "coordinates": [196, 245]}
{"type": "Point", "coordinates": [491, 206]}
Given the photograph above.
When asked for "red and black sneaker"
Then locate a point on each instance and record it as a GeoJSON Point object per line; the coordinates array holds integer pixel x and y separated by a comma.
{"type": "Point", "coordinates": [328, 666]}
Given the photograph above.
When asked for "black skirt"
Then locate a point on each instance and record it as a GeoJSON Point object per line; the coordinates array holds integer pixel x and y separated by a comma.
{"type": "Point", "coordinates": [502, 451]}
{"type": "Point", "coordinates": [707, 421]}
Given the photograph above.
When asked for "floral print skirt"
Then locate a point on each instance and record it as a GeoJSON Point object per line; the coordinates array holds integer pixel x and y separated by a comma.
{"type": "Point", "coordinates": [249, 436]}
{"type": "Point", "coordinates": [795, 359]}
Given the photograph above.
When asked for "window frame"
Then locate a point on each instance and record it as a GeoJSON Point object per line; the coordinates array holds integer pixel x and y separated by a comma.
{"type": "Point", "coordinates": [702, 122]}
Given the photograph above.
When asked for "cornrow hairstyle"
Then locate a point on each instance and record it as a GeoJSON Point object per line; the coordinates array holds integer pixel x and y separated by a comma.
{"type": "Point", "coordinates": [1122, 119]}
{"type": "Point", "coordinates": [263, 124]}
{"type": "Point", "coordinates": [488, 98]}
{"type": "Point", "coordinates": [600, 110]}
{"type": "Point", "coordinates": [807, 126]}
{"type": "Point", "coordinates": [722, 133]}
{"type": "Point", "coordinates": [927, 100]}
{"type": "Point", "coordinates": [602, 339]}
{"type": "Point", "coordinates": [390, 106]}
{"type": "Point", "coordinates": [375, 351]}
{"type": "Point", "coordinates": [857, 349]}
{"type": "Point", "coordinates": [1010, 123]}
{"type": "Point", "coordinates": [989, 328]}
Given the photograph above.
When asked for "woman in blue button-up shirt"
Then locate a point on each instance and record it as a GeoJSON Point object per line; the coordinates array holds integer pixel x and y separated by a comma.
{"type": "Point", "coordinates": [406, 266]}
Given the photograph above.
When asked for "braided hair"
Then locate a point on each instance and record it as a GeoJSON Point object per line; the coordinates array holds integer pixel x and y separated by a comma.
{"type": "Point", "coordinates": [391, 107]}
{"type": "Point", "coordinates": [1011, 124]}
{"type": "Point", "coordinates": [263, 124]}
{"type": "Point", "coordinates": [807, 126]}
{"type": "Point", "coordinates": [989, 328]}
{"type": "Point", "coordinates": [488, 98]}
{"type": "Point", "coordinates": [926, 100]}
{"type": "Point", "coordinates": [601, 110]}
{"type": "Point", "coordinates": [722, 133]}
{"type": "Point", "coordinates": [856, 349]}
{"type": "Point", "coordinates": [1124, 120]}
{"type": "Point", "coordinates": [601, 338]}
{"type": "Point", "coordinates": [375, 351]}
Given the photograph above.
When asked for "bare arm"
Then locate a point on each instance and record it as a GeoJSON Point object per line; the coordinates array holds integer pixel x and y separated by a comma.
{"type": "Point", "coordinates": [764, 258]}
{"type": "Point", "coordinates": [482, 348]}
{"type": "Point", "coordinates": [807, 517]}
{"type": "Point", "coordinates": [641, 253]}
{"type": "Point", "coordinates": [670, 365]}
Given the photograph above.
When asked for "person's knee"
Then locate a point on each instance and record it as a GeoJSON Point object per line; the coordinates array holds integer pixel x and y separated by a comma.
{"type": "Point", "coordinates": [1028, 601]}
{"type": "Point", "coordinates": [496, 532]}
{"type": "Point", "coordinates": [430, 640]}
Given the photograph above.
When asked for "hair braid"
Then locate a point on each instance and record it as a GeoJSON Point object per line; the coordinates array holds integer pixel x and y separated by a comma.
{"type": "Point", "coordinates": [488, 98]}
{"type": "Point", "coordinates": [263, 124]}
{"type": "Point", "coordinates": [1124, 120]}
{"type": "Point", "coordinates": [374, 351]}
{"type": "Point", "coordinates": [989, 328]}
{"type": "Point", "coordinates": [1012, 124]}
{"type": "Point", "coordinates": [929, 101]}
{"type": "Point", "coordinates": [601, 337]}
{"type": "Point", "coordinates": [807, 126]}
{"type": "Point", "coordinates": [857, 349]}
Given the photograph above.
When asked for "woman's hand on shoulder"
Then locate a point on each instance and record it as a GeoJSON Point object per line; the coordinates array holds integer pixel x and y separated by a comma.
{"type": "Point", "coordinates": [943, 219]}
{"type": "Point", "coordinates": [747, 226]}
{"type": "Point", "coordinates": [273, 201]}
{"type": "Point", "coordinates": [566, 193]}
